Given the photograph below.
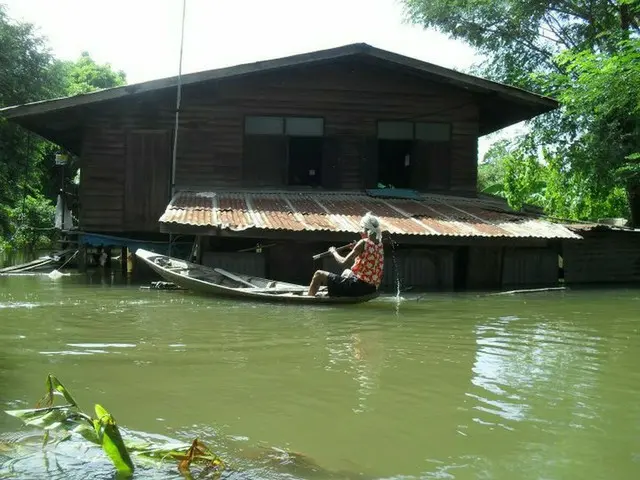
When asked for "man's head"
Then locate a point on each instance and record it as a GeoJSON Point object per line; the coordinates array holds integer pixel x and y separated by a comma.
{"type": "Point", "coordinates": [371, 226]}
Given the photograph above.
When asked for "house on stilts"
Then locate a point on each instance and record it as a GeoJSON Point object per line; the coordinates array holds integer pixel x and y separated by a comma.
{"type": "Point", "coordinates": [277, 160]}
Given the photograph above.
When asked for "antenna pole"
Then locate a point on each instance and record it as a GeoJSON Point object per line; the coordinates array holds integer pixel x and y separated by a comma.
{"type": "Point", "coordinates": [178, 100]}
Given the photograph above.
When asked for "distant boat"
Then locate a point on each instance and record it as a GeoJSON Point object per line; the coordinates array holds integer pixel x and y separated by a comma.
{"type": "Point", "coordinates": [46, 262]}
{"type": "Point", "coordinates": [219, 282]}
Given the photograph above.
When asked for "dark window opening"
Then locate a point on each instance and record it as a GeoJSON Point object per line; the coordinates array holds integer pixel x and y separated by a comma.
{"type": "Point", "coordinates": [305, 161]}
{"type": "Point", "coordinates": [303, 154]}
{"type": "Point", "coordinates": [394, 163]}
{"type": "Point", "coordinates": [410, 154]}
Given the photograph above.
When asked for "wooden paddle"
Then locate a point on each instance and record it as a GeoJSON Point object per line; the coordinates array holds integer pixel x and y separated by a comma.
{"type": "Point", "coordinates": [339, 249]}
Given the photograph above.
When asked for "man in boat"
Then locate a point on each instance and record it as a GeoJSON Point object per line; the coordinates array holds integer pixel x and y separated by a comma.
{"type": "Point", "coordinates": [364, 277]}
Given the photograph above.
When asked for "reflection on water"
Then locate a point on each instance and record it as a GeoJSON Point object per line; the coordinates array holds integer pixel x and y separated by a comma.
{"type": "Point", "coordinates": [460, 386]}
{"type": "Point", "coordinates": [360, 356]}
{"type": "Point", "coordinates": [518, 364]}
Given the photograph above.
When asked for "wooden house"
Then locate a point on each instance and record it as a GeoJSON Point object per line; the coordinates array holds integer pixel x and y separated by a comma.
{"type": "Point", "coordinates": [290, 153]}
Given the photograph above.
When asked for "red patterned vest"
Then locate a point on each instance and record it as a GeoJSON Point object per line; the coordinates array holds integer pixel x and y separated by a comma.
{"type": "Point", "coordinates": [369, 265]}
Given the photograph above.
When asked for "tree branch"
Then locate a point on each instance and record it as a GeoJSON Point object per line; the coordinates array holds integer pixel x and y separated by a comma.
{"type": "Point", "coordinates": [559, 31]}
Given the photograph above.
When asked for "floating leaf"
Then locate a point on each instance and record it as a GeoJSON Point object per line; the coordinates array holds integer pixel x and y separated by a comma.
{"type": "Point", "coordinates": [43, 417]}
{"type": "Point", "coordinates": [199, 452]}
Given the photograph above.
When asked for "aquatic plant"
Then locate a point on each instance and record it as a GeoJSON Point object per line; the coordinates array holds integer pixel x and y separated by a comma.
{"type": "Point", "coordinates": [61, 422]}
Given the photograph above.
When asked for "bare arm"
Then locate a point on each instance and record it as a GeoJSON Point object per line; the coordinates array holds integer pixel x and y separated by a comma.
{"type": "Point", "coordinates": [357, 250]}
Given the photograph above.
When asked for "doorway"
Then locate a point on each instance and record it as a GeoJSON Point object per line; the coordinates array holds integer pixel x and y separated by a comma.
{"type": "Point", "coordinates": [394, 162]}
{"type": "Point", "coordinates": [305, 161]}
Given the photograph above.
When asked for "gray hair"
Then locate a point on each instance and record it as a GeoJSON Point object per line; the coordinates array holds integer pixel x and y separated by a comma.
{"type": "Point", "coordinates": [371, 225]}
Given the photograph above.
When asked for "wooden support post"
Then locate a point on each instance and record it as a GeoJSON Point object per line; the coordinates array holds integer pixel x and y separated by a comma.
{"type": "Point", "coordinates": [501, 263]}
{"type": "Point", "coordinates": [200, 240]}
{"type": "Point", "coordinates": [123, 261]}
{"type": "Point", "coordinates": [107, 263]}
{"type": "Point", "coordinates": [82, 258]}
{"type": "Point", "coordinates": [131, 259]}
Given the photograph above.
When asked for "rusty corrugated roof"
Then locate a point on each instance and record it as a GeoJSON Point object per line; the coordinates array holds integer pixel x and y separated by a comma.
{"type": "Point", "coordinates": [439, 215]}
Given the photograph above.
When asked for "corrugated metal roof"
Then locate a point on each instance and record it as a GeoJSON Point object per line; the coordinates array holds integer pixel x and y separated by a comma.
{"type": "Point", "coordinates": [602, 227]}
{"type": "Point", "coordinates": [341, 212]}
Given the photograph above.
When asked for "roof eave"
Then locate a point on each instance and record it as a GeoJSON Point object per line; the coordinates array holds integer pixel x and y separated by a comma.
{"type": "Point", "coordinates": [460, 79]}
{"type": "Point", "coordinates": [46, 106]}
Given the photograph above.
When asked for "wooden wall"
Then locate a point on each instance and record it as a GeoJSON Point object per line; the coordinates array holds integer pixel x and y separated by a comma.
{"type": "Point", "coordinates": [602, 257]}
{"type": "Point", "coordinates": [422, 269]}
{"type": "Point", "coordinates": [530, 268]}
{"type": "Point", "coordinates": [351, 96]}
{"type": "Point", "coordinates": [237, 262]}
{"type": "Point", "coordinates": [484, 268]}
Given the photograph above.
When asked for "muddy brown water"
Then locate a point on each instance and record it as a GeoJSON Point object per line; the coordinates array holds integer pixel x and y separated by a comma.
{"type": "Point", "coordinates": [463, 386]}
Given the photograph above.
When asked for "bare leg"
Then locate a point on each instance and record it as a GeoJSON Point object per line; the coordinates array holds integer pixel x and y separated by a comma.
{"type": "Point", "coordinates": [319, 278]}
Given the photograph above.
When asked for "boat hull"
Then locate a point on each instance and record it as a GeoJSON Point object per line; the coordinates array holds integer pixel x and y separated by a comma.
{"type": "Point", "coordinates": [209, 281]}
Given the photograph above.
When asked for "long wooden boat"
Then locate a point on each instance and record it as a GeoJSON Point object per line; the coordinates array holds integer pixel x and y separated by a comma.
{"type": "Point", "coordinates": [219, 282]}
{"type": "Point", "coordinates": [45, 262]}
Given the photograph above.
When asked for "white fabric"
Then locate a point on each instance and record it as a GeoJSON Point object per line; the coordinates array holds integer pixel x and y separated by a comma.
{"type": "Point", "coordinates": [68, 221]}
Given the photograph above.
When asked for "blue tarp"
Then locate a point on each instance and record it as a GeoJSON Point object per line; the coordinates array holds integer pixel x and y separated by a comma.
{"type": "Point", "coordinates": [394, 193]}
{"type": "Point", "coordinates": [100, 240]}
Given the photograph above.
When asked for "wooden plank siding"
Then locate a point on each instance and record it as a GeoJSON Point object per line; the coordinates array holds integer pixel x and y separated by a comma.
{"type": "Point", "coordinates": [602, 257]}
{"type": "Point", "coordinates": [147, 181]}
{"type": "Point", "coordinates": [530, 267]}
{"type": "Point", "coordinates": [351, 96]}
{"type": "Point", "coordinates": [102, 179]}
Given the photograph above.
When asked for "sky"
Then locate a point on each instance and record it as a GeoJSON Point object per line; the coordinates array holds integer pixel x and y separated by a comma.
{"type": "Point", "coordinates": [142, 37]}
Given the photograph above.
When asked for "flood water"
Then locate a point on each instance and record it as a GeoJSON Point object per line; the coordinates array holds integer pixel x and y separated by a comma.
{"type": "Point", "coordinates": [535, 386]}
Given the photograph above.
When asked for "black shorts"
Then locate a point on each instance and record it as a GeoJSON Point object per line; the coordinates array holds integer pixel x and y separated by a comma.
{"type": "Point", "coordinates": [351, 286]}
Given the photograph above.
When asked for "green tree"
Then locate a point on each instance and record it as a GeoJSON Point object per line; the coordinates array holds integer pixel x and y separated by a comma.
{"type": "Point", "coordinates": [28, 178]}
{"type": "Point", "coordinates": [25, 76]}
{"type": "Point", "coordinates": [570, 49]}
{"type": "Point", "coordinates": [85, 75]}
{"type": "Point", "coordinates": [600, 93]}
{"type": "Point", "coordinates": [518, 37]}
{"type": "Point", "coordinates": [491, 169]}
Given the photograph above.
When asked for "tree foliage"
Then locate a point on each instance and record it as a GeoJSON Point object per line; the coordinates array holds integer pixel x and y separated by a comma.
{"type": "Point", "coordinates": [585, 54]}
{"type": "Point", "coordinates": [85, 75]}
{"type": "Point", "coordinates": [518, 37]}
{"type": "Point", "coordinates": [29, 181]}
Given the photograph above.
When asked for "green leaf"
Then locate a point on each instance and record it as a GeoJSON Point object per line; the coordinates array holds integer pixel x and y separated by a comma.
{"type": "Point", "coordinates": [65, 419]}
{"type": "Point", "coordinates": [496, 188]}
{"type": "Point", "coordinates": [111, 441]}
{"type": "Point", "coordinates": [43, 417]}
{"type": "Point", "coordinates": [68, 420]}
{"type": "Point", "coordinates": [55, 387]}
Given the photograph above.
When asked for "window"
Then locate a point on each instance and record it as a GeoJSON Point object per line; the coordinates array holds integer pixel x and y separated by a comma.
{"type": "Point", "coordinates": [304, 127]}
{"type": "Point", "coordinates": [413, 154]}
{"type": "Point", "coordinates": [433, 132]}
{"type": "Point", "coordinates": [425, 131]}
{"type": "Point", "coordinates": [291, 126]}
{"type": "Point", "coordinates": [395, 130]}
{"type": "Point", "coordinates": [264, 125]}
{"type": "Point", "coordinates": [283, 150]}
